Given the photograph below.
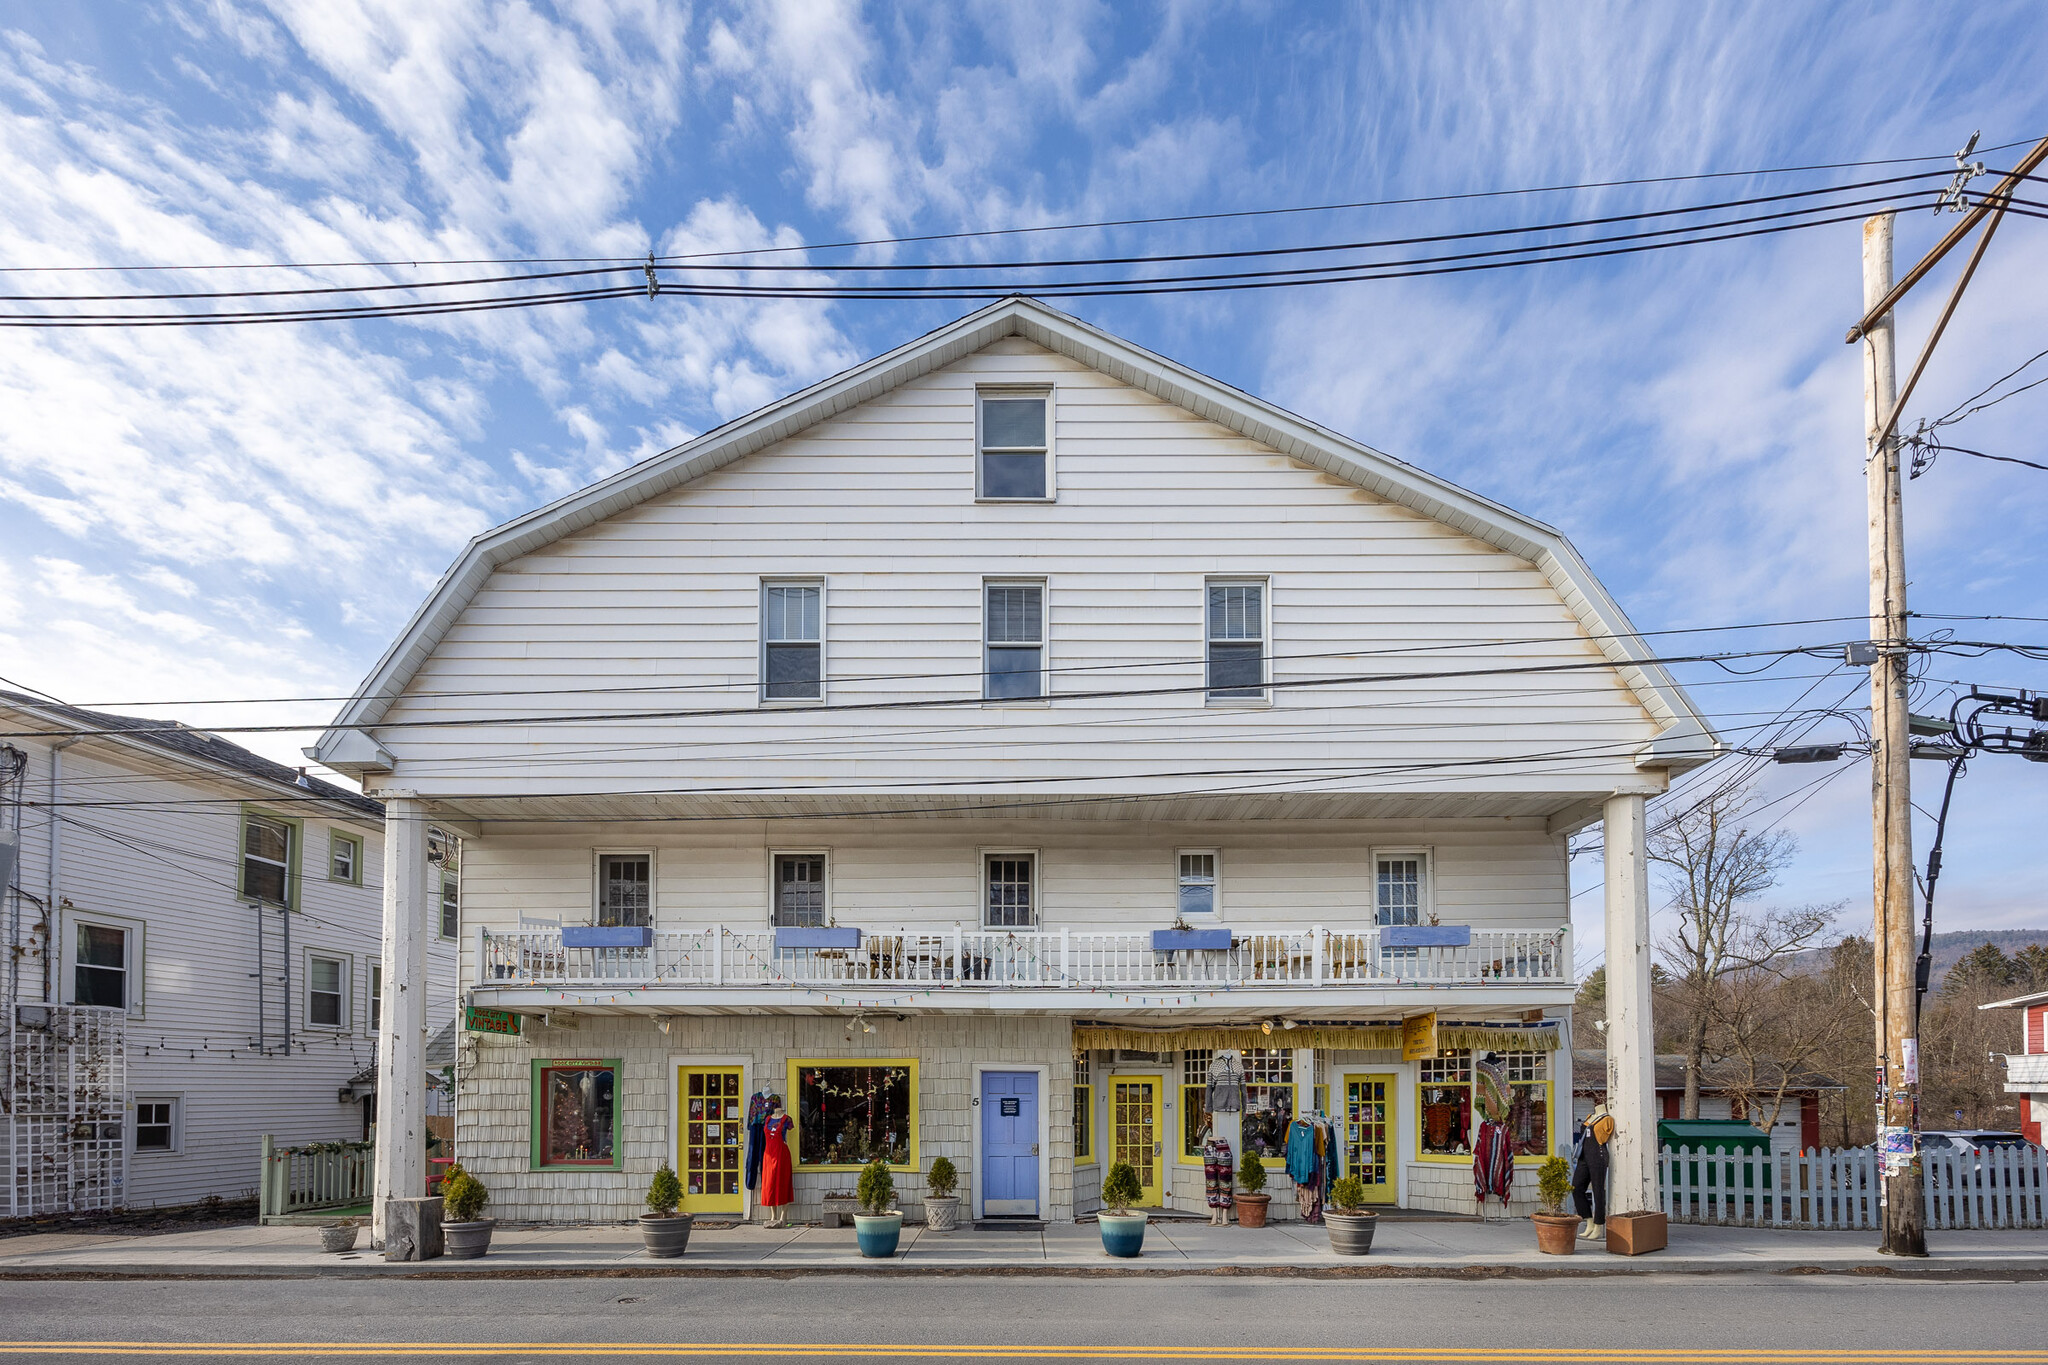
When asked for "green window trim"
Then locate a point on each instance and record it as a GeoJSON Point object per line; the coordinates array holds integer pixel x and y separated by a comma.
{"type": "Point", "coordinates": [537, 1151]}
{"type": "Point", "coordinates": [335, 836]}
{"type": "Point", "coordinates": [294, 855]}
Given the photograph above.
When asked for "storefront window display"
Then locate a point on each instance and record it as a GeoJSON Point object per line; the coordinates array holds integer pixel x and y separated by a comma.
{"type": "Point", "coordinates": [1194, 1102]}
{"type": "Point", "coordinates": [575, 1114]}
{"type": "Point", "coordinates": [851, 1113]}
{"type": "Point", "coordinates": [1268, 1101]}
{"type": "Point", "coordinates": [1444, 1103]}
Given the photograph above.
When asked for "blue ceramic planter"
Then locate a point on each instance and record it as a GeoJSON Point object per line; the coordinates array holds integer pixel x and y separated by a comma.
{"type": "Point", "coordinates": [877, 1236]}
{"type": "Point", "coordinates": [1122, 1236]}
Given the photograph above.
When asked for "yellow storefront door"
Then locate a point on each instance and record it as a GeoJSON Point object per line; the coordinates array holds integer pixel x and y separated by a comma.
{"type": "Point", "coordinates": [1368, 1134]}
{"type": "Point", "coordinates": [1134, 1131]}
{"type": "Point", "coordinates": [711, 1138]}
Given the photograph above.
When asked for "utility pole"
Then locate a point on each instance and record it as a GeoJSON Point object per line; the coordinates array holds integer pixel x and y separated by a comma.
{"type": "Point", "coordinates": [1891, 810]}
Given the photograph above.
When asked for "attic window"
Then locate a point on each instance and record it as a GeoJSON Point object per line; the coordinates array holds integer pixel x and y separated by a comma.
{"type": "Point", "coordinates": [1014, 463]}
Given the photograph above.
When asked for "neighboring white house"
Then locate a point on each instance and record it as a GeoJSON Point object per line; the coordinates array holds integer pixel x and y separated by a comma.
{"type": "Point", "coordinates": [194, 958]}
{"type": "Point", "coordinates": [868, 750]}
{"type": "Point", "coordinates": [2026, 1071]}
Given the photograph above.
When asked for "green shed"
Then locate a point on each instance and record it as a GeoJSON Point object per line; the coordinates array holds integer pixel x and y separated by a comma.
{"type": "Point", "coordinates": [1728, 1138]}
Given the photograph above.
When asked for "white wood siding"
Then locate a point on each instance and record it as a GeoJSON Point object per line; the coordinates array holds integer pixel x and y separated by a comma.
{"type": "Point", "coordinates": [879, 502]}
{"type": "Point", "coordinates": [175, 870]}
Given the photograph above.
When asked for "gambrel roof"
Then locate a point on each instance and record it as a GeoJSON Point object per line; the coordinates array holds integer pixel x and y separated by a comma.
{"type": "Point", "coordinates": [1684, 741]}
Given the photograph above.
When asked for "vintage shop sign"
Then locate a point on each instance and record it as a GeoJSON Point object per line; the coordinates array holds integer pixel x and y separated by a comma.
{"type": "Point", "coordinates": [1418, 1037]}
{"type": "Point", "coordinates": [481, 1020]}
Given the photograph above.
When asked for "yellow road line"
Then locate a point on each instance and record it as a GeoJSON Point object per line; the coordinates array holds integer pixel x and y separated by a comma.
{"type": "Point", "coordinates": [844, 1350]}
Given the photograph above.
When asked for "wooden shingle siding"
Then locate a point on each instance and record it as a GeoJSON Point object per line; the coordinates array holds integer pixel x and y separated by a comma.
{"type": "Point", "coordinates": [878, 501]}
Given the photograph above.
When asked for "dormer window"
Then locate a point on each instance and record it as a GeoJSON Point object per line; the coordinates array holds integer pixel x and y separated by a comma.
{"type": "Point", "coordinates": [1014, 459]}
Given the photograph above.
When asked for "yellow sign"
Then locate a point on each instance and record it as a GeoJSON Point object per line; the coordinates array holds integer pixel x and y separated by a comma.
{"type": "Point", "coordinates": [1418, 1037]}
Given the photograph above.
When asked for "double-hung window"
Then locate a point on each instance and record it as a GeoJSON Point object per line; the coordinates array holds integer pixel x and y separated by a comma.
{"type": "Point", "coordinates": [1012, 891]}
{"type": "Point", "coordinates": [1198, 881]}
{"type": "Point", "coordinates": [451, 904]}
{"type": "Point", "coordinates": [625, 890]}
{"type": "Point", "coordinates": [799, 890]}
{"type": "Point", "coordinates": [1013, 633]}
{"type": "Point", "coordinates": [1237, 640]}
{"type": "Point", "coordinates": [1014, 452]}
{"type": "Point", "coordinates": [376, 996]}
{"type": "Point", "coordinates": [156, 1124]}
{"type": "Point", "coordinates": [266, 860]}
{"type": "Point", "coordinates": [344, 857]}
{"type": "Point", "coordinates": [100, 974]}
{"type": "Point", "coordinates": [326, 991]}
{"type": "Point", "coordinates": [792, 641]}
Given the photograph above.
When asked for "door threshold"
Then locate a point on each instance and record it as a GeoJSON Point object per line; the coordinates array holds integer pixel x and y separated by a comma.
{"type": "Point", "coordinates": [1010, 1222]}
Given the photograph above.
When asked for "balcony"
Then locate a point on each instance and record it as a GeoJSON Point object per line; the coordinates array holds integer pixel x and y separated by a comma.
{"type": "Point", "coordinates": [720, 962]}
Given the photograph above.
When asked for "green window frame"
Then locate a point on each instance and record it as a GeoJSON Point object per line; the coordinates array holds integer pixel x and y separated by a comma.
{"type": "Point", "coordinates": [337, 840]}
{"type": "Point", "coordinates": [1084, 1125]}
{"type": "Point", "coordinates": [295, 845]}
{"type": "Point", "coordinates": [563, 1119]}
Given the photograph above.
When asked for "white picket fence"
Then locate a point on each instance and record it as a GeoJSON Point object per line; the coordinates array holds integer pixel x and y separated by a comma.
{"type": "Point", "coordinates": [297, 1181]}
{"type": "Point", "coordinates": [1993, 1187]}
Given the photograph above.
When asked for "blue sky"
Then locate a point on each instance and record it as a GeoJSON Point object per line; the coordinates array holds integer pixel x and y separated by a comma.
{"type": "Point", "coordinates": [253, 512]}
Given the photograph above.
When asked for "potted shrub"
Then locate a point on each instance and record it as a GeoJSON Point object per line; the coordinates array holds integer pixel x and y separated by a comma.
{"type": "Point", "coordinates": [466, 1234]}
{"type": "Point", "coordinates": [1251, 1205]}
{"type": "Point", "coordinates": [1556, 1231]}
{"type": "Point", "coordinates": [1123, 1229]}
{"type": "Point", "coordinates": [941, 1198]}
{"type": "Point", "coordinates": [877, 1228]}
{"type": "Point", "coordinates": [665, 1231]}
{"type": "Point", "coordinates": [1350, 1222]}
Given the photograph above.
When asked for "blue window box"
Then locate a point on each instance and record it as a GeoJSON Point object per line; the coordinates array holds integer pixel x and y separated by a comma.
{"type": "Point", "coordinates": [1426, 936]}
{"type": "Point", "coordinates": [1170, 940]}
{"type": "Point", "coordinates": [607, 936]}
{"type": "Point", "coordinates": [817, 938]}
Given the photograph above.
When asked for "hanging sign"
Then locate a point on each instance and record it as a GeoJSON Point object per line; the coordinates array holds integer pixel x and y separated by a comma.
{"type": "Point", "coordinates": [1418, 1037]}
{"type": "Point", "coordinates": [480, 1020]}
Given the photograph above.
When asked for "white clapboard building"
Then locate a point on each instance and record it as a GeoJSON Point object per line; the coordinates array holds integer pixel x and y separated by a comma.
{"type": "Point", "coordinates": [966, 749]}
{"type": "Point", "coordinates": [193, 959]}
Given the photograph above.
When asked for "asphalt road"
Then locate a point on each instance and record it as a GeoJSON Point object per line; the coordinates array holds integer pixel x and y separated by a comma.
{"type": "Point", "coordinates": [1663, 1319]}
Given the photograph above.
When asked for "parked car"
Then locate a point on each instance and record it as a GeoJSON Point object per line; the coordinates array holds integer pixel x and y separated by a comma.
{"type": "Point", "coordinates": [1974, 1152]}
{"type": "Point", "coordinates": [1973, 1139]}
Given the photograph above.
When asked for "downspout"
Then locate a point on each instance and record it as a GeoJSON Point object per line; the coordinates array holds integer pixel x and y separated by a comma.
{"type": "Point", "coordinates": [18, 782]}
{"type": "Point", "coordinates": [50, 903]}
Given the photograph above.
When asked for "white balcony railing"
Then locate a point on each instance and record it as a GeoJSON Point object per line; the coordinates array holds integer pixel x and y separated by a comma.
{"type": "Point", "coordinates": [983, 959]}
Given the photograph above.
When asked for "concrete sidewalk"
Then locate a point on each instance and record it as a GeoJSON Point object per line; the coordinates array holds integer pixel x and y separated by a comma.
{"type": "Point", "coordinates": [1402, 1247]}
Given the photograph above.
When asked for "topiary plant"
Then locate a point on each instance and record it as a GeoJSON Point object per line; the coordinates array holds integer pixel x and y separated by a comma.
{"type": "Point", "coordinates": [877, 1188]}
{"type": "Point", "coordinates": [664, 1193]}
{"type": "Point", "coordinates": [943, 1180]}
{"type": "Point", "coordinates": [1251, 1173]}
{"type": "Point", "coordinates": [1348, 1195]}
{"type": "Point", "coordinates": [1553, 1183]}
{"type": "Point", "coordinates": [1120, 1188]}
{"type": "Point", "coordinates": [463, 1196]}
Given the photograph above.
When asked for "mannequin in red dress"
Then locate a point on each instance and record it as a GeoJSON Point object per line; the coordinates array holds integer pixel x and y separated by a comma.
{"type": "Point", "coordinates": [778, 1189]}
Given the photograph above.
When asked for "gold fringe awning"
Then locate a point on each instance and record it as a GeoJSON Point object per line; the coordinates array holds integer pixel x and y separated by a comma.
{"type": "Point", "coordinates": [1321, 1037]}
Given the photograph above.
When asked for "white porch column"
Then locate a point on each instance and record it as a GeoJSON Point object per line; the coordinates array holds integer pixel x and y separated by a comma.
{"type": "Point", "coordinates": [1631, 1044]}
{"type": "Point", "coordinates": [402, 1040]}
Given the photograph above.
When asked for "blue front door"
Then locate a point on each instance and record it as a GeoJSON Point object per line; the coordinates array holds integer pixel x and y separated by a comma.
{"type": "Point", "coordinates": [1009, 1143]}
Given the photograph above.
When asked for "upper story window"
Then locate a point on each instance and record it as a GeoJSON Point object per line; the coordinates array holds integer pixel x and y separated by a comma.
{"type": "Point", "coordinates": [1013, 454]}
{"type": "Point", "coordinates": [451, 904]}
{"type": "Point", "coordinates": [100, 971]}
{"type": "Point", "coordinates": [625, 889]}
{"type": "Point", "coordinates": [1013, 633]}
{"type": "Point", "coordinates": [1237, 640]}
{"type": "Point", "coordinates": [799, 890]}
{"type": "Point", "coordinates": [326, 991]}
{"type": "Point", "coordinates": [1399, 888]}
{"type": "Point", "coordinates": [344, 857]}
{"type": "Point", "coordinates": [792, 641]}
{"type": "Point", "coordinates": [266, 859]}
{"type": "Point", "coordinates": [1198, 881]}
{"type": "Point", "coordinates": [1012, 900]}
{"type": "Point", "coordinates": [376, 996]}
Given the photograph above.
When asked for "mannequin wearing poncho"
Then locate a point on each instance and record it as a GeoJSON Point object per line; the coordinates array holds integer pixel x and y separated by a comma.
{"type": "Point", "coordinates": [1493, 1150]}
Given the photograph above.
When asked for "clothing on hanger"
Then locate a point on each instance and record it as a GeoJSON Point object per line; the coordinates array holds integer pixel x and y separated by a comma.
{"type": "Point", "coordinates": [1493, 1162]}
{"type": "Point", "coordinates": [1226, 1082]}
{"type": "Point", "coordinates": [757, 1115]}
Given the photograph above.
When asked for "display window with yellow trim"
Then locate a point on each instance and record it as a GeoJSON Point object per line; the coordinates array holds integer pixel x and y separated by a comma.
{"type": "Point", "coordinates": [1269, 1103]}
{"type": "Point", "coordinates": [850, 1112]}
{"type": "Point", "coordinates": [1084, 1125]}
{"type": "Point", "coordinates": [1194, 1104]}
{"type": "Point", "coordinates": [1444, 1118]}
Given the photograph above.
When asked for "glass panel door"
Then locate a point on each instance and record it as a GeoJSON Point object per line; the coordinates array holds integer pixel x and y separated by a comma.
{"type": "Point", "coordinates": [711, 1138]}
{"type": "Point", "coordinates": [1134, 1131]}
{"type": "Point", "coordinates": [1369, 1135]}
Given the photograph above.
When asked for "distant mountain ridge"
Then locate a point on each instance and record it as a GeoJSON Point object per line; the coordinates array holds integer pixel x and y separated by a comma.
{"type": "Point", "coordinates": [1952, 947]}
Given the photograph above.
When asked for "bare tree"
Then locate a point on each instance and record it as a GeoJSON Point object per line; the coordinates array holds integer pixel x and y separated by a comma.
{"type": "Point", "coordinates": [1713, 866]}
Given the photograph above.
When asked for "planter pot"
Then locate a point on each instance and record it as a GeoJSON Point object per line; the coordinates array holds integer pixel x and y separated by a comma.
{"type": "Point", "coordinates": [1350, 1233]}
{"type": "Point", "coordinates": [1557, 1234]}
{"type": "Point", "coordinates": [340, 1237]}
{"type": "Point", "coordinates": [1251, 1210]}
{"type": "Point", "coordinates": [942, 1212]}
{"type": "Point", "coordinates": [665, 1236]}
{"type": "Point", "coordinates": [467, 1241]}
{"type": "Point", "coordinates": [838, 1208]}
{"type": "Point", "coordinates": [1123, 1234]}
{"type": "Point", "coordinates": [1632, 1234]}
{"type": "Point", "coordinates": [878, 1233]}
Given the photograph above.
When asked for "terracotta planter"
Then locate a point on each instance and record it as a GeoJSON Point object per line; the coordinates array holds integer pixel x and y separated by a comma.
{"type": "Point", "coordinates": [666, 1237]}
{"type": "Point", "coordinates": [1123, 1234]}
{"type": "Point", "coordinates": [1350, 1233]}
{"type": "Point", "coordinates": [941, 1212]}
{"type": "Point", "coordinates": [467, 1241]}
{"type": "Point", "coordinates": [1632, 1234]}
{"type": "Point", "coordinates": [1557, 1234]}
{"type": "Point", "coordinates": [1251, 1210]}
